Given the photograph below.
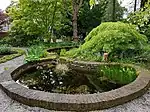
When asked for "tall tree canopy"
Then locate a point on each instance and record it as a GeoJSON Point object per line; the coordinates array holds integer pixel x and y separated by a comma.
{"type": "Point", "coordinates": [141, 18]}
{"type": "Point", "coordinates": [38, 17]}
{"type": "Point", "coordinates": [114, 11]}
{"type": "Point", "coordinates": [90, 18]}
{"type": "Point", "coordinates": [143, 2]}
{"type": "Point", "coordinates": [46, 18]}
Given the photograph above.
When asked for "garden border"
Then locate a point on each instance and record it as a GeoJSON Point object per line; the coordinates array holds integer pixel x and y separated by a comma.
{"type": "Point", "coordinates": [53, 49]}
{"type": "Point", "coordinates": [12, 56]}
{"type": "Point", "coordinates": [78, 102]}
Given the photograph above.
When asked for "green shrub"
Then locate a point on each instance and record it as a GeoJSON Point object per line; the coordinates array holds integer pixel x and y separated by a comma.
{"type": "Point", "coordinates": [60, 44]}
{"type": "Point", "coordinates": [35, 53]}
{"type": "Point", "coordinates": [144, 56]}
{"type": "Point", "coordinates": [6, 40]}
{"type": "Point", "coordinates": [120, 40]}
{"type": "Point", "coordinates": [20, 41]}
{"type": "Point", "coordinates": [62, 52]}
{"type": "Point", "coordinates": [5, 49]}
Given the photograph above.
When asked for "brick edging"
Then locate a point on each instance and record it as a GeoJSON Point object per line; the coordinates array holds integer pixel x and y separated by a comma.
{"type": "Point", "coordinates": [78, 102]}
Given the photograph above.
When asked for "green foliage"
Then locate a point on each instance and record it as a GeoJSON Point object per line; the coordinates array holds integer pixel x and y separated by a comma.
{"type": "Point", "coordinates": [85, 22]}
{"type": "Point", "coordinates": [141, 19]}
{"type": "Point", "coordinates": [119, 11]}
{"type": "Point", "coordinates": [118, 73]}
{"type": "Point", "coordinates": [60, 44]}
{"type": "Point", "coordinates": [83, 55]}
{"type": "Point", "coordinates": [116, 38]}
{"type": "Point", "coordinates": [92, 2]}
{"type": "Point", "coordinates": [37, 52]}
{"type": "Point", "coordinates": [62, 52]}
{"type": "Point", "coordinates": [32, 19]}
{"type": "Point", "coordinates": [15, 42]}
{"type": "Point", "coordinates": [5, 49]}
{"type": "Point", "coordinates": [17, 52]}
{"type": "Point", "coordinates": [144, 56]}
{"type": "Point", "coordinates": [72, 53]}
{"type": "Point", "coordinates": [34, 53]}
{"type": "Point", "coordinates": [6, 40]}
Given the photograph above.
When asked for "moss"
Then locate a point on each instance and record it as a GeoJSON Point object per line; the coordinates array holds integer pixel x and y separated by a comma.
{"type": "Point", "coordinates": [18, 51]}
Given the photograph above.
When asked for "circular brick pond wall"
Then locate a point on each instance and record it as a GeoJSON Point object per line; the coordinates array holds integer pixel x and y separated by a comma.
{"type": "Point", "coordinates": [77, 102]}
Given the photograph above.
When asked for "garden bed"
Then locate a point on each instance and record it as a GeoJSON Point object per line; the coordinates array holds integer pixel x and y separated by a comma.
{"type": "Point", "coordinates": [77, 102]}
{"type": "Point", "coordinates": [15, 52]}
{"type": "Point", "coordinates": [58, 49]}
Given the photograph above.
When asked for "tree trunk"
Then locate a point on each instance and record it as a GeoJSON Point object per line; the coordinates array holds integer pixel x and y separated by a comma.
{"type": "Point", "coordinates": [114, 11]}
{"type": "Point", "coordinates": [143, 3]}
{"type": "Point", "coordinates": [53, 19]}
{"type": "Point", "coordinates": [135, 5]}
{"type": "Point", "coordinates": [74, 23]}
{"type": "Point", "coordinates": [76, 6]}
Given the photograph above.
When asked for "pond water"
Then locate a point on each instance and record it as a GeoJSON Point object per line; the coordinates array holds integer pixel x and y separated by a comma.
{"type": "Point", "coordinates": [71, 79]}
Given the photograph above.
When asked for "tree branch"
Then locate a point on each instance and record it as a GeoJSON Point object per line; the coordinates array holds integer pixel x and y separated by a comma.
{"type": "Point", "coordinates": [79, 5]}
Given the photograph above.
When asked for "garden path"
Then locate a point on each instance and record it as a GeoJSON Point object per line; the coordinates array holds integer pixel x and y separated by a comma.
{"type": "Point", "coordinates": [141, 104]}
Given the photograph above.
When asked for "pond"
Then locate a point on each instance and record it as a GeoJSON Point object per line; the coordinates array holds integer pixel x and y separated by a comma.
{"type": "Point", "coordinates": [71, 78]}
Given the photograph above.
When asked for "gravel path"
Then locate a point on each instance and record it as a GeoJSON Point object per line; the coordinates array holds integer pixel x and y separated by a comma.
{"type": "Point", "coordinates": [141, 104]}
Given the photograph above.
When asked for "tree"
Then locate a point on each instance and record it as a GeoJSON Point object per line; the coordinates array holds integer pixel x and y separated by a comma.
{"type": "Point", "coordinates": [119, 39]}
{"type": "Point", "coordinates": [143, 2]}
{"type": "Point", "coordinates": [76, 4]}
{"type": "Point", "coordinates": [90, 18]}
{"type": "Point", "coordinates": [135, 2]}
{"type": "Point", "coordinates": [141, 19]}
{"type": "Point", "coordinates": [38, 18]}
{"type": "Point", "coordinates": [114, 11]}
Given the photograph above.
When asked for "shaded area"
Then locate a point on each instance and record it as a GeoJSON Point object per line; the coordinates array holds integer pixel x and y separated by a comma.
{"type": "Point", "coordinates": [75, 79]}
{"type": "Point", "coordinates": [7, 54]}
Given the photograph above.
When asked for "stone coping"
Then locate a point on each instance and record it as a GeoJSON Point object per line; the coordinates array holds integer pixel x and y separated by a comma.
{"type": "Point", "coordinates": [69, 102]}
